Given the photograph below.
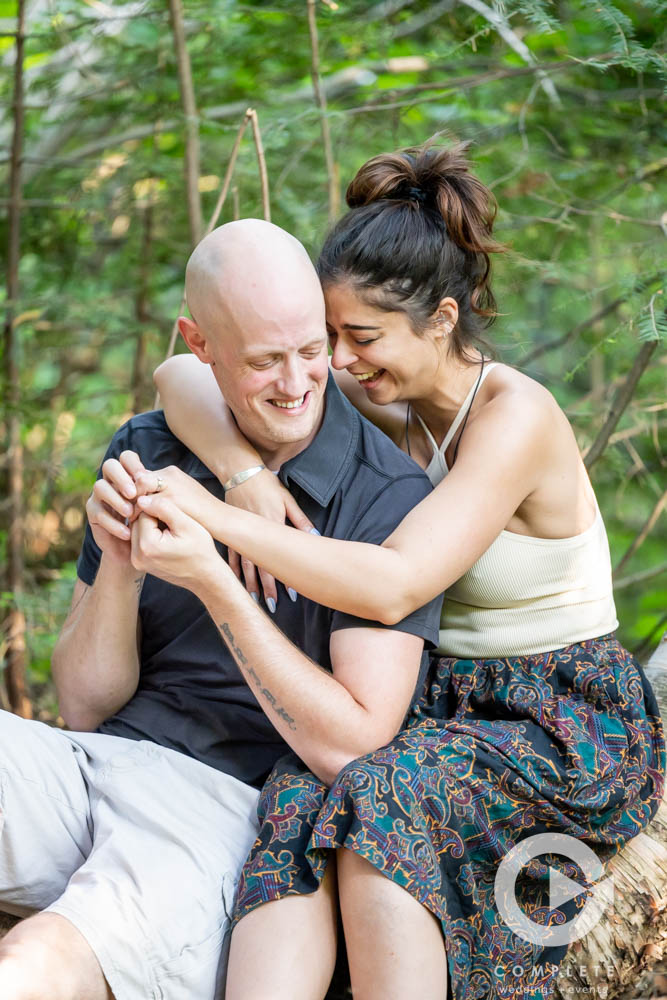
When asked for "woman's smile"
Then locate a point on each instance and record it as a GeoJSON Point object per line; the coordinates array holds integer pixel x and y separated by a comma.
{"type": "Point", "coordinates": [369, 379]}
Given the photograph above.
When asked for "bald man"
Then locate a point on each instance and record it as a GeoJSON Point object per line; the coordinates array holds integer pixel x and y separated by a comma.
{"type": "Point", "coordinates": [129, 832]}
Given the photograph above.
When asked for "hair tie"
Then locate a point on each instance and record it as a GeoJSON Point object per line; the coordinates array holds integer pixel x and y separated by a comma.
{"type": "Point", "coordinates": [407, 192]}
{"type": "Point", "coordinates": [417, 194]}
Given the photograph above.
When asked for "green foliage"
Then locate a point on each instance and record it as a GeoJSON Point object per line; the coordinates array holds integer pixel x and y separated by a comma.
{"type": "Point", "coordinates": [578, 176]}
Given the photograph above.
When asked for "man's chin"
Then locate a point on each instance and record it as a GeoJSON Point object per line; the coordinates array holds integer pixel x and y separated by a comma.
{"type": "Point", "coordinates": [300, 430]}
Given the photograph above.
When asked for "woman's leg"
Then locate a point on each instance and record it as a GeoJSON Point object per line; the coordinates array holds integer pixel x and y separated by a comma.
{"type": "Point", "coordinates": [395, 946]}
{"type": "Point", "coordinates": [286, 948]}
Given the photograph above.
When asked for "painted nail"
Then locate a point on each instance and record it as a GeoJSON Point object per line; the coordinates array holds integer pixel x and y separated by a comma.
{"type": "Point", "coordinates": [314, 531]}
{"type": "Point", "coordinates": [255, 596]}
{"type": "Point", "coordinates": [271, 604]}
{"type": "Point", "coordinates": [292, 593]}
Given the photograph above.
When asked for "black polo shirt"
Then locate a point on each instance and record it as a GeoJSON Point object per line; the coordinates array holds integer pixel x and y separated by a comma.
{"type": "Point", "coordinates": [352, 482]}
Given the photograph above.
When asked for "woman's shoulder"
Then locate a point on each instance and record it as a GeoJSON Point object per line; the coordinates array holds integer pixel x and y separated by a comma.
{"type": "Point", "coordinates": [516, 428]}
{"type": "Point", "coordinates": [520, 401]}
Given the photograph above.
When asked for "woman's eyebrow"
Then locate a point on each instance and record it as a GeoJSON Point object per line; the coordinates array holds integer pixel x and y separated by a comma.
{"type": "Point", "coordinates": [355, 326]}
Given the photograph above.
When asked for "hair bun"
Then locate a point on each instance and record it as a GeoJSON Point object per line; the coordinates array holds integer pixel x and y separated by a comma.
{"type": "Point", "coordinates": [440, 177]}
{"type": "Point", "coordinates": [388, 175]}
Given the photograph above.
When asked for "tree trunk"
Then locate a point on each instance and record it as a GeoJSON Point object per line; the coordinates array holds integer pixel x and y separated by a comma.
{"type": "Point", "coordinates": [15, 621]}
{"type": "Point", "coordinates": [191, 122]}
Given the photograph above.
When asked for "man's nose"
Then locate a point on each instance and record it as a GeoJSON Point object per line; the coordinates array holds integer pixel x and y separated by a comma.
{"type": "Point", "coordinates": [293, 380]}
{"type": "Point", "coordinates": [343, 356]}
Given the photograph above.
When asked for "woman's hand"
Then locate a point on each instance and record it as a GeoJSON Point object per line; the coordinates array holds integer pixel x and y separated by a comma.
{"type": "Point", "coordinates": [184, 491]}
{"type": "Point", "coordinates": [265, 495]}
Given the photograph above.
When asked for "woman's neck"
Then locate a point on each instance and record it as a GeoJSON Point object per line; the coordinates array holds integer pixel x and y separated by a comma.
{"type": "Point", "coordinates": [439, 403]}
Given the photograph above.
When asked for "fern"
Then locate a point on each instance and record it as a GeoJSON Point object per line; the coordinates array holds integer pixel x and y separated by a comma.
{"type": "Point", "coordinates": [541, 13]}
{"type": "Point", "coordinates": [652, 322]}
{"type": "Point", "coordinates": [616, 21]}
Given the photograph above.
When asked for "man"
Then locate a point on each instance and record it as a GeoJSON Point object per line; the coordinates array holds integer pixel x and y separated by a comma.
{"type": "Point", "coordinates": [129, 834]}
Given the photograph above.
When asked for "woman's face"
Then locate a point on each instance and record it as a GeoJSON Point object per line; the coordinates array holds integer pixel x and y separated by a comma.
{"type": "Point", "coordinates": [380, 349]}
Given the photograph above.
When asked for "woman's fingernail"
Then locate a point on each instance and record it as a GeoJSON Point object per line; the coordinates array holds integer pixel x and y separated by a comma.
{"type": "Point", "coordinates": [130, 491]}
{"type": "Point", "coordinates": [314, 531]}
{"type": "Point", "coordinates": [271, 604]}
{"type": "Point", "coordinates": [292, 593]}
{"type": "Point", "coordinates": [255, 596]}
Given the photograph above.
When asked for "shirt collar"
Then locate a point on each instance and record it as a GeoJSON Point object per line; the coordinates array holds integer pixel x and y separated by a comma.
{"type": "Point", "coordinates": [320, 468]}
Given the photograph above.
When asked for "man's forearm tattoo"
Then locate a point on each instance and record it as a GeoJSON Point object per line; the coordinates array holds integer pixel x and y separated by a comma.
{"type": "Point", "coordinates": [254, 676]}
{"type": "Point", "coordinates": [139, 584]}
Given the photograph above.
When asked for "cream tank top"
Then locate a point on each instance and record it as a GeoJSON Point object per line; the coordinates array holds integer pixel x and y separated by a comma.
{"type": "Point", "coordinates": [525, 595]}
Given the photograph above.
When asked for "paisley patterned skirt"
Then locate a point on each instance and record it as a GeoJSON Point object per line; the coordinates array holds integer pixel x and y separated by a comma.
{"type": "Point", "coordinates": [494, 752]}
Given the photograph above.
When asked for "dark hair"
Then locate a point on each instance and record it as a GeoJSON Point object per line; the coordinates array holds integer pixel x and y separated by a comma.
{"type": "Point", "coordinates": [419, 230]}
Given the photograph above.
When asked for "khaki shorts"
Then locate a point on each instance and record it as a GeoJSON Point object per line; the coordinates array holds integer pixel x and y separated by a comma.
{"type": "Point", "coordinates": [138, 846]}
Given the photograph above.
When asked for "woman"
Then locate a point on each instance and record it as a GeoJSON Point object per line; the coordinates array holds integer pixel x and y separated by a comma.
{"type": "Point", "coordinates": [534, 719]}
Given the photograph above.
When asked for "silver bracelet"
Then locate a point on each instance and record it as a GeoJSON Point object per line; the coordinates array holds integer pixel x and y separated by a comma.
{"type": "Point", "coordinates": [242, 477]}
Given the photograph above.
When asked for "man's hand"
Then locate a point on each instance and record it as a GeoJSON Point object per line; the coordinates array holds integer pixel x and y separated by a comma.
{"type": "Point", "coordinates": [182, 552]}
{"type": "Point", "coordinates": [111, 504]}
{"type": "Point", "coordinates": [263, 495]}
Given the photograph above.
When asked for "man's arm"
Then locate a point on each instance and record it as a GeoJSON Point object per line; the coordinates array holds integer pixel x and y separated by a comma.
{"type": "Point", "coordinates": [95, 662]}
{"type": "Point", "coordinates": [328, 720]}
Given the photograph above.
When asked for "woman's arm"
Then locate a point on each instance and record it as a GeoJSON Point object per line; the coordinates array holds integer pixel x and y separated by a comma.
{"type": "Point", "coordinates": [502, 461]}
{"type": "Point", "coordinates": [197, 414]}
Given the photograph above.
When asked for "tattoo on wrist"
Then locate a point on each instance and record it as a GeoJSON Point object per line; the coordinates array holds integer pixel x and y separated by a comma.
{"type": "Point", "coordinates": [139, 584]}
{"type": "Point", "coordinates": [254, 676]}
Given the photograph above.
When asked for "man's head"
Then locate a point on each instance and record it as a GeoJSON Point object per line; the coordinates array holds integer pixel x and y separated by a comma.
{"type": "Point", "coordinates": [258, 320]}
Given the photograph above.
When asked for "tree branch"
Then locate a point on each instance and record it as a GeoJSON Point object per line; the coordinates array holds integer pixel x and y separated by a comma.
{"type": "Point", "coordinates": [211, 226]}
{"type": "Point", "coordinates": [515, 43]}
{"type": "Point", "coordinates": [321, 101]}
{"type": "Point", "coordinates": [261, 162]}
{"type": "Point", "coordinates": [552, 345]}
{"type": "Point", "coordinates": [623, 397]}
{"type": "Point", "coordinates": [644, 533]}
{"type": "Point", "coordinates": [191, 122]}
{"type": "Point", "coordinates": [641, 577]}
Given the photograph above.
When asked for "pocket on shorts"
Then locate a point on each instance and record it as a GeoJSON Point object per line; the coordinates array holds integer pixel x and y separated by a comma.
{"type": "Point", "coordinates": [194, 973]}
{"type": "Point", "coordinates": [142, 754]}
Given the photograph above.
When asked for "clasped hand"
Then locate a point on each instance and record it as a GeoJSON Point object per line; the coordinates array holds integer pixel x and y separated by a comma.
{"type": "Point", "coordinates": [159, 533]}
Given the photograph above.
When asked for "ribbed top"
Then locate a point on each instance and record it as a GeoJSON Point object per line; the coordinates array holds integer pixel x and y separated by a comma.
{"type": "Point", "coordinates": [530, 595]}
{"type": "Point", "coordinates": [525, 595]}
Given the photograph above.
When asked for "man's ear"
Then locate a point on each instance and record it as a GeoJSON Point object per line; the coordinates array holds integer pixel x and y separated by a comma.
{"type": "Point", "coordinates": [195, 339]}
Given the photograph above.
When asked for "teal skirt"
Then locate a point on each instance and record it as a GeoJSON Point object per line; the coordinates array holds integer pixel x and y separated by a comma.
{"type": "Point", "coordinates": [493, 752]}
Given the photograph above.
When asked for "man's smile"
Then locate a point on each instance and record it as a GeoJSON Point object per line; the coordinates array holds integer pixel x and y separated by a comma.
{"type": "Point", "coordinates": [293, 405]}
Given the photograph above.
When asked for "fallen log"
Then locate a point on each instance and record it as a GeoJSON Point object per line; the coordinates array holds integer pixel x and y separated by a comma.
{"type": "Point", "coordinates": [622, 958]}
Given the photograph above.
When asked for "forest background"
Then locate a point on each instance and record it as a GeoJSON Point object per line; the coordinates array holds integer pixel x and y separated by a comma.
{"type": "Point", "coordinates": [120, 134]}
